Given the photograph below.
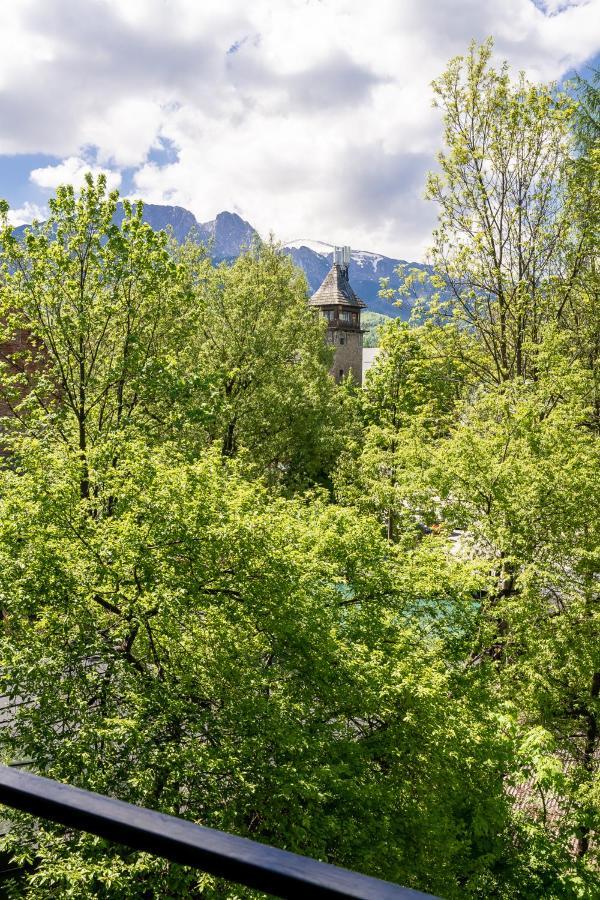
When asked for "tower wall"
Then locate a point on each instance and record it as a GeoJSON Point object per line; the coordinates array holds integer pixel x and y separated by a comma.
{"type": "Point", "coordinates": [348, 354]}
{"type": "Point", "coordinates": [338, 304]}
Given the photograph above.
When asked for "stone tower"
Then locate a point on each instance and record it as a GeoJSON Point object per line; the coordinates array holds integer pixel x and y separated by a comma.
{"type": "Point", "coordinates": [338, 303]}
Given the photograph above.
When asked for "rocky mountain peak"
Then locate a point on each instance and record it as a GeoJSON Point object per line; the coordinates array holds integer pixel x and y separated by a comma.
{"type": "Point", "coordinates": [230, 235]}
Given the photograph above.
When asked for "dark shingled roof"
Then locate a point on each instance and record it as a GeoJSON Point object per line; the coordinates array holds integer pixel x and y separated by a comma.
{"type": "Point", "coordinates": [336, 290]}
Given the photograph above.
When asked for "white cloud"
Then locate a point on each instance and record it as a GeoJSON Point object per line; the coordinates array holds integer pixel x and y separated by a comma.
{"type": "Point", "coordinates": [307, 117]}
{"type": "Point", "coordinates": [26, 214]}
{"type": "Point", "coordinates": [72, 171]}
{"type": "Point", "coordinates": [135, 120]}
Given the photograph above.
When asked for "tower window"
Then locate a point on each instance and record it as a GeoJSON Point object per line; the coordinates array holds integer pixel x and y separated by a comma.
{"type": "Point", "coordinates": [341, 373]}
{"type": "Point", "coordinates": [342, 339]}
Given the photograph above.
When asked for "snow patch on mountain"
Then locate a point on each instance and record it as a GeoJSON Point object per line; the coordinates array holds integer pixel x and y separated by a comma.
{"type": "Point", "coordinates": [364, 258]}
{"type": "Point", "coordinates": [320, 247]}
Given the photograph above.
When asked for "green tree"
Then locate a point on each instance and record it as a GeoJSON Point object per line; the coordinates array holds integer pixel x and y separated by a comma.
{"type": "Point", "coordinates": [176, 632]}
{"type": "Point", "coordinates": [518, 477]}
{"type": "Point", "coordinates": [251, 663]}
{"type": "Point", "coordinates": [517, 473]}
{"type": "Point", "coordinates": [111, 331]}
{"type": "Point", "coordinates": [409, 402]}
{"type": "Point", "coordinates": [263, 351]}
{"type": "Point", "coordinates": [371, 322]}
{"type": "Point", "coordinates": [91, 313]}
{"type": "Point", "coordinates": [582, 318]}
{"type": "Point", "coordinates": [485, 430]}
{"type": "Point", "coordinates": [504, 248]}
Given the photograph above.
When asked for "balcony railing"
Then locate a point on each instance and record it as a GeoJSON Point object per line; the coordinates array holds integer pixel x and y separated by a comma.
{"type": "Point", "coordinates": [276, 872]}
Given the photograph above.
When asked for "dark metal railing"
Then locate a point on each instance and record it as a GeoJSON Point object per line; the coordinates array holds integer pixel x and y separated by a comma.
{"type": "Point", "coordinates": [238, 859]}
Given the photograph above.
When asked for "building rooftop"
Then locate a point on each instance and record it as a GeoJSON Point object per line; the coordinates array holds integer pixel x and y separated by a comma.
{"type": "Point", "coordinates": [336, 290]}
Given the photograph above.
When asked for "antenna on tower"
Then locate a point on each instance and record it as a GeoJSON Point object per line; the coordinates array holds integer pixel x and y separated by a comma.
{"type": "Point", "coordinates": [341, 257]}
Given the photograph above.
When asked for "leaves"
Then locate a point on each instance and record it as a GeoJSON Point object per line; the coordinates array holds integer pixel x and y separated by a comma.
{"type": "Point", "coordinates": [358, 624]}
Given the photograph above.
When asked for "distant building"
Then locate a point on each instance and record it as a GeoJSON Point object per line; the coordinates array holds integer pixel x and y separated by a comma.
{"type": "Point", "coordinates": [338, 303]}
{"type": "Point", "coordinates": [369, 355]}
{"type": "Point", "coordinates": [24, 356]}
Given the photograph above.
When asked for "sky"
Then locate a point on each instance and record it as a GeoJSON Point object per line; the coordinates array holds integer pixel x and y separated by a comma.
{"type": "Point", "coordinates": [309, 118]}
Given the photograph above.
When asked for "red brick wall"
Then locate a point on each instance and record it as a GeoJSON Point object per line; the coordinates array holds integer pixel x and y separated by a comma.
{"type": "Point", "coordinates": [19, 355]}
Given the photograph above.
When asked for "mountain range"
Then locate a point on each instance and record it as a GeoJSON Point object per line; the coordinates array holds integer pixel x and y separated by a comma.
{"type": "Point", "coordinates": [228, 235]}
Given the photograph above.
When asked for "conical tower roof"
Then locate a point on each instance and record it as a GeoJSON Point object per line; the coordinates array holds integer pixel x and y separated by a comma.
{"type": "Point", "coordinates": [336, 290]}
